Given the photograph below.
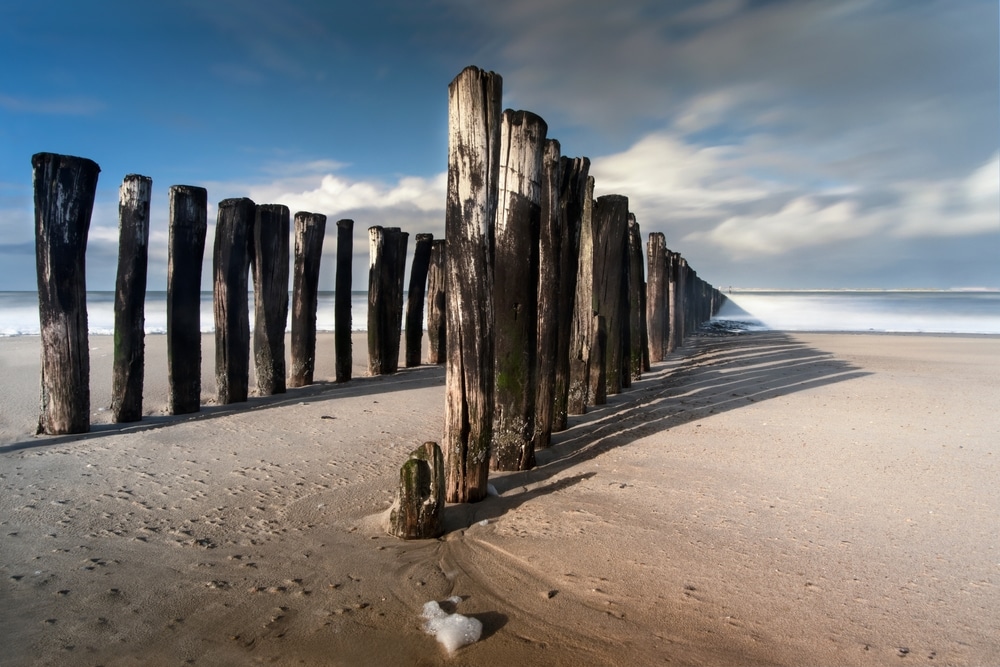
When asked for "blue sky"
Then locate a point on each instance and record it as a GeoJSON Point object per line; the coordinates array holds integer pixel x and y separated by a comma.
{"type": "Point", "coordinates": [776, 143]}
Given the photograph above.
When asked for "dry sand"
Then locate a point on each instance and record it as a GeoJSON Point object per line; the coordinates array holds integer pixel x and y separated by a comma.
{"type": "Point", "coordinates": [808, 499]}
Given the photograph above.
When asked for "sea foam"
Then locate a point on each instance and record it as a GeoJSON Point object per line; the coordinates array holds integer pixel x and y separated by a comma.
{"type": "Point", "coordinates": [452, 630]}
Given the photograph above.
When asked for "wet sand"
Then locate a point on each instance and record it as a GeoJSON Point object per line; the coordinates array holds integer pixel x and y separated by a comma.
{"type": "Point", "coordinates": [807, 499]}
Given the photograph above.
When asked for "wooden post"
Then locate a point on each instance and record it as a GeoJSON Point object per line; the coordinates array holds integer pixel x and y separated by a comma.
{"type": "Point", "coordinates": [64, 200]}
{"type": "Point", "coordinates": [436, 333]}
{"type": "Point", "coordinates": [419, 506]}
{"type": "Point", "coordinates": [385, 298]}
{"type": "Point", "coordinates": [310, 228]}
{"type": "Point", "coordinates": [415, 297]}
{"type": "Point", "coordinates": [597, 373]}
{"type": "Point", "coordinates": [657, 306]}
{"type": "Point", "coordinates": [680, 301]}
{"type": "Point", "coordinates": [130, 297]}
{"type": "Point", "coordinates": [188, 226]}
{"type": "Point", "coordinates": [515, 289]}
{"type": "Point", "coordinates": [232, 318]}
{"type": "Point", "coordinates": [610, 247]}
{"type": "Point", "coordinates": [269, 257]}
{"type": "Point", "coordinates": [582, 329]}
{"type": "Point", "coordinates": [342, 301]}
{"type": "Point", "coordinates": [673, 295]}
{"type": "Point", "coordinates": [552, 232]}
{"type": "Point", "coordinates": [637, 301]}
{"type": "Point", "coordinates": [473, 165]}
{"type": "Point", "coordinates": [572, 190]}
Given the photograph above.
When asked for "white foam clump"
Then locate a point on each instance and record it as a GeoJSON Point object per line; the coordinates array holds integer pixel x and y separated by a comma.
{"type": "Point", "coordinates": [453, 630]}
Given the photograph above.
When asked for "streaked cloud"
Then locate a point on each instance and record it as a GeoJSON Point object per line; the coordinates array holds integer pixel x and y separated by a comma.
{"type": "Point", "coordinates": [60, 106]}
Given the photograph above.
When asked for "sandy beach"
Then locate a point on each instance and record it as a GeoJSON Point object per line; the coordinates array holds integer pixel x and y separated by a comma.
{"type": "Point", "coordinates": [757, 499]}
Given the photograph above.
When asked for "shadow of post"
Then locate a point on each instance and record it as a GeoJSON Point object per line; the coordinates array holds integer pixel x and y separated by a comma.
{"type": "Point", "coordinates": [715, 373]}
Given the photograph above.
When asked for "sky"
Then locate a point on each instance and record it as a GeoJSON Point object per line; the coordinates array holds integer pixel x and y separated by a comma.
{"type": "Point", "coordinates": [776, 143]}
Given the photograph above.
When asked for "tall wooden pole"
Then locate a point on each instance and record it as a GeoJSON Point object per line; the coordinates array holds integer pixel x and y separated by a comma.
{"type": "Point", "coordinates": [473, 166]}
{"type": "Point", "coordinates": [582, 336]}
{"type": "Point", "coordinates": [638, 355]}
{"type": "Point", "coordinates": [553, 231]}
{"type": "Point", "coordinates": [385, 298]}
{"type": "Point", "coordinates": [188, 226]}
{"type": "Point", "coordinates": [673, 300]}
{"type": "Point", "coordinates": [232, 318]}
{"type": "Point", "coordinates": [610, 249]}
{"type": "Point", "coordinates": [64, 200]}
{"type": "Point", "coordinates": [573, 188]}
{"type": "Point", "coordinates": [130, 297]}
{"type": "Point", "coordinates": [515, 289]}
{"type": "Point", "coordinates": [342, 324]}
{"type": "Point", "coordinates": [310, 229]}
{"type": "Point", "coordinates": [656, 296]}
{"type": "Point", "coordinates": [436, 335]}
{"type": "Point", "coordinates": [415, 297]}
{"type": "Point", "coordinates": [269, 257]}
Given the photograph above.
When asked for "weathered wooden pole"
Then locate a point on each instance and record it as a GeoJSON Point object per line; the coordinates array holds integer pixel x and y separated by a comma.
{"type": "Point", "coordinates": [415, 297]}
{"type": "Point", "coordinates": [610, 249]}
{"type": "Point", "coordinates": [638, 348]}
{"type": "Point", "coordinates": [269, 259]}
{"type": "Point", "coordinates": [597, 373]}
{"type": "Point", "coordinates": [674, 299]}
{"type": "Point", "coordinates": [385, 297]}
{"type": "Point", "coordinates": [310, 228]}
{"type": "Point", "coordinates": [515, 289]}
{"type": "Point", "coordinates": [573, 188]}
{"type": "Point", "coordinates": [188, 226]}
{"type": "Point", "coordinates": [551, 235]}
{"type": "Point", "coordinates": [230, 264]}
{"type": "Point", "coordinates": [64, 200]}
{"type": "Point", "coordinates": [419, 506]}
{"type": "Point", "coordinates": [130, 298]}
{"type": "Point", "coordinates": [473, 166]}
{"type": "Point", "coordinates": [582, 329]}
{"type": "Point", "coordinates": [342, 301]}
{"type": "Point", "coordinates": [657, 305]}
{"type": "Point", "coordinates": [436, 334]}
{"type": "Point", "coordinates": [681, 301]}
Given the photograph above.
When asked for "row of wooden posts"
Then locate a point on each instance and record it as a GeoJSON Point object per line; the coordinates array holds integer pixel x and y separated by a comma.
{"type": "Point", "coordinates": [249, 239]}
{"type": "Point", "coordinates": [536, 299]}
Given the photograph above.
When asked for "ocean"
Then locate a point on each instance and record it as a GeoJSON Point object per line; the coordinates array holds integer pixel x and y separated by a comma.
{"type": "Point", "coordinates": [960, 312]}
{"type": "Point", "coordinates": [885, 311]}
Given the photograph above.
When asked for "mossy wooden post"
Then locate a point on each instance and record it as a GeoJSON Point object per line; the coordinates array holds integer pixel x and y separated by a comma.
{"type": "Point", "coordinates": [436, 333]}
{"type": "Point", "coordinates": [415, 298]}
{"type": "Point", "coordinates": [638, 348]}
{"type": "Point", "coordinates": [471, 204]}
{"type": "Point", "coordinates": [64, 188]}
{"type": "Point", "coordinates": [269, 259]}
{"type": "Point", "coordinates": [130, 298]}
{"type": "Point", "coordinates": [188, 226]}
{"type": "Point", "coordinates": [657, 306]}
{"type": "Point", "coordinates": [310, 228]}
{"type": "Point", "coordinates": [385, 298]}
{"type": "Point", "coordinates": [344, 355]}
{"type": "Point", "coordinates": [582, 329]}
{"type": "Point", "coordinates": [230, 265]}
{"type": "Point", "coordinates": [610, 250]}
{"type": "Point", "coordinates": [419, 506]}
{"type": "Point", "coordinates": [552, 232]}
{"type": "Point", "coordinates": [673, 300]}
{"type": "Point", "coordinates": [515, 289]}
{"type": "Point", "coordinates": [574, 173]}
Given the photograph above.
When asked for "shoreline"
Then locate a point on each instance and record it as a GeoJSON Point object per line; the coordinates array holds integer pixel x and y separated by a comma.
{"type": "Point", "coordinates": [763, 498]}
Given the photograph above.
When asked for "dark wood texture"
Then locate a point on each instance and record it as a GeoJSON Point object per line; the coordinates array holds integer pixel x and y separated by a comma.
{"type": "Point", "coordinates": [130, 298]}
{"type": "Point", "coordinates": [188, 226]}
{"type": "Point", "coordinates": [269, 262]}
{"type": "Point", "coordinates": [309, 230]}
{"type": "Point", "coordinates": [436, 318]}
{"type": "Point", "coordinates": [574, 174]}
{"type": "Point", "coordinates": [582, 329]}
{"type": "Point", "coordinates": [344, 354]}
{"type": "Point", "coordinates": [610, 293]}
{"type": "Point", "coordinates": [471, 203]}
{"type": "Point", "coordinates": [415, 297]}
{"type": "Point", "coordinates": [64, 188]}
{"type": "Point", "coordinates": [657, 307]}
{"type": "Point", "coordinates": [552, 232]}
{"type": "Point", "coordinates": [638, 357]}
{"type": "Point", "coordinates": [385, 298]}
{"type": "Point", "coordinates": [230, 266]}
{"type": "Point", "coordinates": [419, 506]}
{"type": "Point", "coordinates": [515, 289]}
